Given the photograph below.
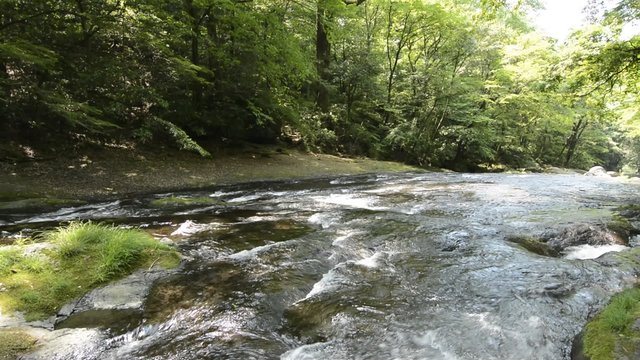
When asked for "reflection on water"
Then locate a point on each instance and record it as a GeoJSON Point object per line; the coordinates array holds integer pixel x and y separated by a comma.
{"type": "Point", "coordinates": [408, 266]}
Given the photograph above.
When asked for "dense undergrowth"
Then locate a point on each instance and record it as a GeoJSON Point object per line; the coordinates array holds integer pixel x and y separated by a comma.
{"type": "Point", "coordinates": [71, 261]}
{"type": "Point", "coordinates": [466, 85]}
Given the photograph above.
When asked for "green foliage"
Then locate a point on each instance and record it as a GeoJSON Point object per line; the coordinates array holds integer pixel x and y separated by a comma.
{"type": "Point", "coordinates": [25, 52]}
{"type": "Point", "coordinates": [8, 258]}
{"type": "Point", "coordinates": [181, 138]}
{"type": "Point", "coordinates": [83, 255]}
{"type": "Point", "coordinates": [316, 133]}
{"type": "Point", "coordinates": [445, 83]}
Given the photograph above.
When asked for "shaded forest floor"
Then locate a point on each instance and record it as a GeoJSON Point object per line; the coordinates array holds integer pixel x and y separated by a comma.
{"type": "Point", "coordinates": [99, 172]}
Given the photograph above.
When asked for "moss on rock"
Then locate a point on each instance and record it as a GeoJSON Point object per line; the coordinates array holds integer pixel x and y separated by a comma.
{"type": "Point", "coordinates": [612, 333]}
{"type": "Point", "coordinates": [534, 245]}
{"type": "Point", "coordinates": [622, 227]}
{"type": "Point", "coordinates": [82, 256]}
{"type": "Point", "coordinates": [14, 343]}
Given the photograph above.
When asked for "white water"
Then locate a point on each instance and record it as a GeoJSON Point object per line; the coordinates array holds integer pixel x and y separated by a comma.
{"type": "Point", "coordinates": [392, 267]}
{"type": "Point", "coordinates": [584, 252]}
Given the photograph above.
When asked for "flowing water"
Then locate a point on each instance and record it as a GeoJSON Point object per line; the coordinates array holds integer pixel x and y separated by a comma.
{"type": "Point", "coordinates": [406, 266]}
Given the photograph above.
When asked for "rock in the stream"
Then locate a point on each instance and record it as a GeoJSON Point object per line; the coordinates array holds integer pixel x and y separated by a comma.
{"type": "Point", "coordinates": [582, 234]}
{"type": "Point", "coordinates": [118, 305]}
{"type": "Point", "coordinates": [534, 245]}
{"type": "Point", "coordinates": [577, 348]}
{"type": "Point", "coordinates": [66, 344]}
{"type": "Point", "coordinates": [556, 290]}
{"type": "Point", "coordinates": [455, 240]}
{"type": "Point", "coordinates": [597, 171]}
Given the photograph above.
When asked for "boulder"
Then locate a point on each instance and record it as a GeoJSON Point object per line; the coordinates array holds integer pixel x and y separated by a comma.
{"type": "Point", "coordinates": [582, 234]}
{"type": "Point", "coordinates": [118, 306]}
{"type": "Point", "coordinates": [597, 171]}
{"type": "Point", "coordinates": [66, 344]}
{"type": "Point", "coordinates": [534, 245]}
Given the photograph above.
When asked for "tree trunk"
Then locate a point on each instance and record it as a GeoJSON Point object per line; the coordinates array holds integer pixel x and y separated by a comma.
{"type": "Point", "coordinates": [573, 140]}
{"type": "Point", "coordinates": [323, 53]}
{"type": "Point", "coordinates": [323, 58]}
{"type": "Point", "coordinates": [196, 87]}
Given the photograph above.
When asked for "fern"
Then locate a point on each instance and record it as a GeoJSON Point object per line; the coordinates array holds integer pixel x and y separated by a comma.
{"type": "Point", "coordinates": [184, 141]}
{"type": "Point", "coordinates": [26, 52]}
{"type": "Point", "coordinates": [77, 114]}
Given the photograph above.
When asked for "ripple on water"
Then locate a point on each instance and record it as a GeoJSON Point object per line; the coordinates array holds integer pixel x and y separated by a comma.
{"type": "Point", "coordinates": [389, 267]}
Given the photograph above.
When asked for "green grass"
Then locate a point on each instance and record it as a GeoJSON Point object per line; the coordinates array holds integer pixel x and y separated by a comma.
{"type": "Point", "coordinates": [85, 255]}
{"type": "Point", "coordinates": [184, 201]}
{"type": "Point", "coordinates": [15, 342]}
{"type": "Point", "coordinates": [610, 331]}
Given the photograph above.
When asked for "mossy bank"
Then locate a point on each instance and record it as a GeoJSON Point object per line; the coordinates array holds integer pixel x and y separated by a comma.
{"type": "Point", "coordinates": [40, 275]}
{"type": "Point", "coordinates": [615, 332]}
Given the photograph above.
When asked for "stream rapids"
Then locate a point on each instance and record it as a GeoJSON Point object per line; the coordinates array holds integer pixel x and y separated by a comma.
{"type": "Point", "coordinates": [401, 266]}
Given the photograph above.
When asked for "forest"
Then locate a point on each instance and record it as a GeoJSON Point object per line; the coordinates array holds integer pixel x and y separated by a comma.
{"type": "Point", "coordinates": [463, 84]}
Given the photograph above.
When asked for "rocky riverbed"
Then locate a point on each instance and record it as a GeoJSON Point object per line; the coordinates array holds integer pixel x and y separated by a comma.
{"type": "Point", "coordinates": [414, 265]}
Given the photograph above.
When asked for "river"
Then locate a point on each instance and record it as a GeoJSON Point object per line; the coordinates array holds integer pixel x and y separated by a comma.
{"type": "Point", "coordinates": [401, 266]}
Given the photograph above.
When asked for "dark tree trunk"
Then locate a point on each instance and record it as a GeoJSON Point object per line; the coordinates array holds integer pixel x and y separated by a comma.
{"type": "Point", "coordinates": [323, 58]}
{"type": "Point", "coordinates": [196, 87]}
{"type": "Point", "coordinates": [323, 53]}
{"type": "Point", "coordinates": [573, 140]}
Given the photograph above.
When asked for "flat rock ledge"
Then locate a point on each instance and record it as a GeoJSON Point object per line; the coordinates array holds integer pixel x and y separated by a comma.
{"type": "Point", "coordinates": [75, 332]}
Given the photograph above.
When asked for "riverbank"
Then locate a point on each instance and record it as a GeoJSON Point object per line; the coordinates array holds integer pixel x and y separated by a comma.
{"type": "Point", "coordinates": [100, 172]}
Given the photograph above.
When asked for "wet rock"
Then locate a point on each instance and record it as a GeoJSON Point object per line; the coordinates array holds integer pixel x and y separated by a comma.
{"type": "Point", "coordinates": [582, 234]}
{"type": "Point", "coordinates": [553, 286]}
{"type": "Point", "coordinates": [622, 227]}
{"type": "Point", "coordinates": [116, 304]}
{"type": "Point", "coordinates": [166, 241]}
{"type": "Point", "coordinates": [556, 290]}
{"type": "Point", "coordinates": [66, 344]}
{"type": "Point", "coordinates": [534, 245]}
{"type": "Point", "coordinates": [597, 171]}
{"type": "Point", "coordinates": [37, 248]}
{"type": "Point", "coordinates": [118, 321]}
{"type": "Point", "coordinates": [450, 248]}
{"type": "Point", "coordinates": [455, 240]}
{"type": "Point", "coordinates": [632, 214]}
{"type": "Point", "coordinates": [577, 348]}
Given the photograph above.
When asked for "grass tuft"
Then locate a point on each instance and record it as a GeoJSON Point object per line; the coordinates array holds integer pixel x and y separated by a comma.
{"type": "Point", "coordinates": [613, 326]}
{"type": "Point", "coordinates": [85, 255]}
